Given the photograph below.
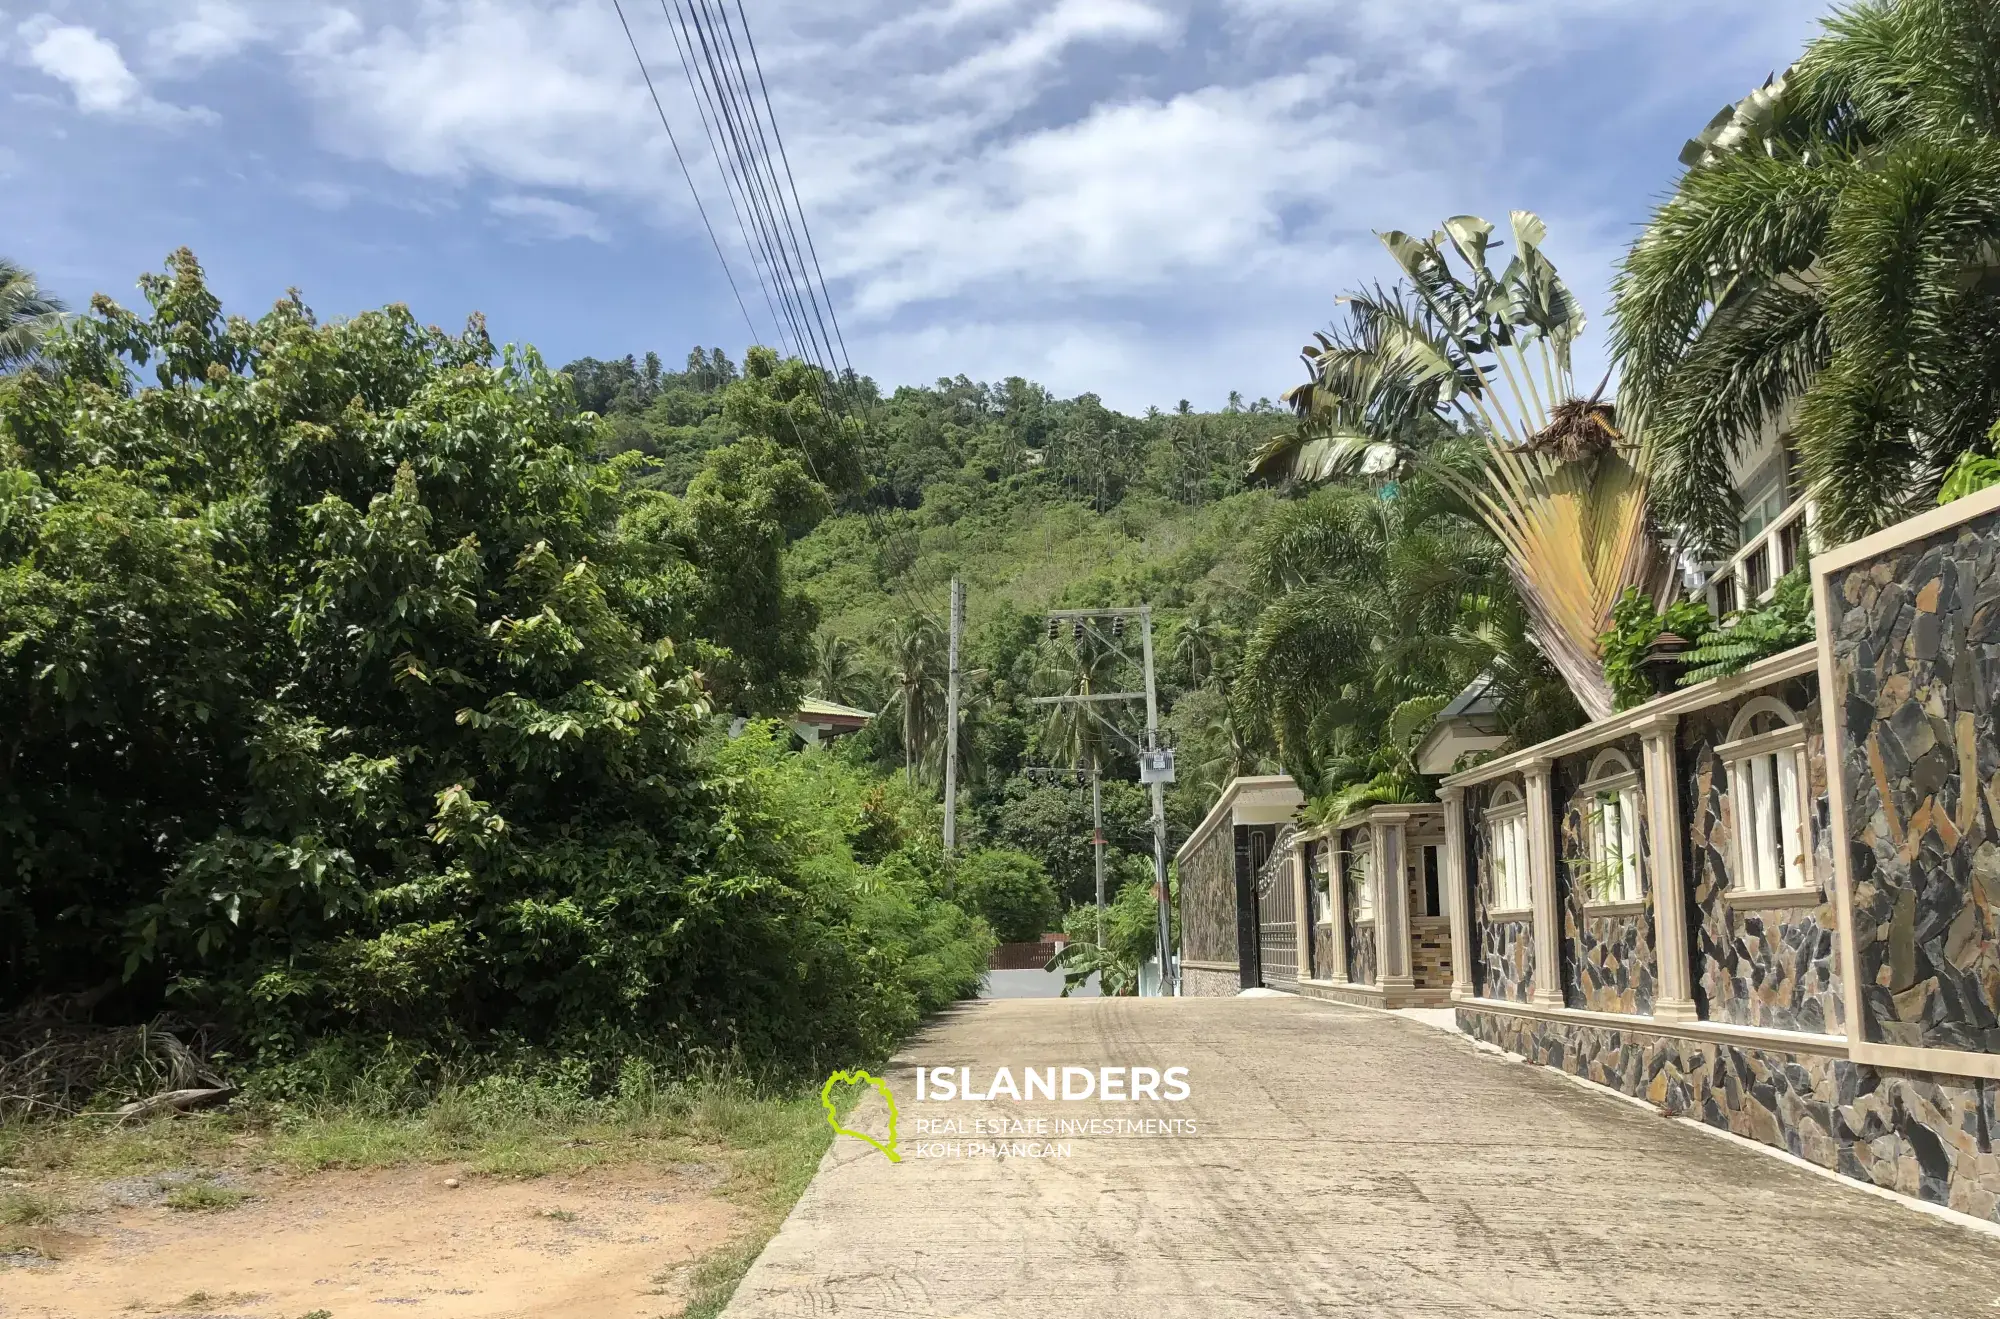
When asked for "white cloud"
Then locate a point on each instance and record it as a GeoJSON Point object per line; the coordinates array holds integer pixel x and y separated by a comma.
{"type": "Point", "coordinates": [546, 217]}
{"type": "Point", "coordinates": [95, 72]}
{"type": "Point", "coordinates": [531, 95]}
{"type": "Point", "coordinates": [1043, 41]}
{"type": "Point", "coordinates": [214, 30]}
{"type": "Point", "coordinates": [1145, 197]}
{"type": "Point", "coordinates": [92, 66]}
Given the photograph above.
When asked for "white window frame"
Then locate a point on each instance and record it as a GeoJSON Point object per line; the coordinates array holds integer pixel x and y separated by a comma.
{"type": "Point", "coordinates": [1613, 829]}
{"type": "Point", "coordinates": [1362, 861]}
{"type": "Point", "coordinates": [1507, 852]}
{"type": "Point", "coordinates": [1768, 788]}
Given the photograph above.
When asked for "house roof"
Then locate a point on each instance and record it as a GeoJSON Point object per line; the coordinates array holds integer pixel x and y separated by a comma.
{"type": "Point", "coordinates": [1278, 788]}
{"type": "Point", "coordinates": [812, 707]}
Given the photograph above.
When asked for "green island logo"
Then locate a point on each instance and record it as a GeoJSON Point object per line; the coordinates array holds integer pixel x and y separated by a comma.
{"type": "Point", "coordinates": [833, 1118]}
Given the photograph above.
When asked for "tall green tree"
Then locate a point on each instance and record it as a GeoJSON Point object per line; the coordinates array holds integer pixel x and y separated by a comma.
{"type": "Point", "coordinates": [1829, 261]}
{"type": "Point", "coordinates": [27, 316]}
{"type": "Point", "coordinates": [349, 693]}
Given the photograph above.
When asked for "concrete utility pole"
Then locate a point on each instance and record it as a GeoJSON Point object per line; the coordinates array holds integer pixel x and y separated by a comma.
{"type": "Point", "coordinates": [1168, 980]}
{"type": "Point", "coordinates": [951, 721]}
{"type": "Point", "coordinates": [1156, 763]}
{"type": "Point", "coordinates": [1097, 839]}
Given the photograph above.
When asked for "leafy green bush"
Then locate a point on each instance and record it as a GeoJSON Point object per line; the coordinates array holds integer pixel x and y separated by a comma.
{"type": "Point", "coordinates": [1635, 626]}
{"type": "Point", "coordinates": [1973, 470]}
{"type": "Point", "coordinates": [1748, 635]}
{"type": "Point", "coordinates": [1131, 932]}
{"type": "Point", "coordinates": [350, 695]}
{"type": "Point", "coordinates": [1011, 890]}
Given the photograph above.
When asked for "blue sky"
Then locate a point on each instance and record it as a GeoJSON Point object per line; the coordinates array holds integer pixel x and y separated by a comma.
{"type": "Point", "coordinates": [1148, 199]}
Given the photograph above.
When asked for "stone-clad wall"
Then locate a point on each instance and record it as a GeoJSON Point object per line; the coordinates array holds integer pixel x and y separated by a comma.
{"type": "Point", "coordinates": [1208, 900]}
{"type": "Point", "coordinates": [1197, 983]}
{"type": "Point", "coordinates": [1322, 966]}
{"type": "Point", "coordinates": [1503, 951]}
{"type": "Point", "coordinates": [1507, 960]}
{"type": "Point", "coordinates": [1361, 953]}
{"type": "Point", "coordinates": [1430, 952]}
{"type": "Point", "coordinates": [1776, 967]}
{"type": "Point", "coordinates": [1360, 937]}
{"type": "Point", "coordinates": [1917, 1133]}
{"type": "Point", "coordinates": [1609, 962]}
{"type": "Point", "coordinates": [1915, 638]}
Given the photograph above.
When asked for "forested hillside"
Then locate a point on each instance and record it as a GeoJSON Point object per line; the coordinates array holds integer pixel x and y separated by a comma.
{"type": "Point", "coordinates": [1034, 502]}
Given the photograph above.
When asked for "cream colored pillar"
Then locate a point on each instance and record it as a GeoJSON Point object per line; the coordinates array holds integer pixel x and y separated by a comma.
{"type": "Point", "coordinates": [1673, 998]}
{"type": "Point", "coordinates": [1458, 892]}
{"type": "Point", "coordinates": [1542, 882]}
{"type": "Point", "coordinates": [1392, 907]}
{"type": "Point", "coordinates": [1301, 906]}
{"type": "Point", "coordinates": [1337, 901]}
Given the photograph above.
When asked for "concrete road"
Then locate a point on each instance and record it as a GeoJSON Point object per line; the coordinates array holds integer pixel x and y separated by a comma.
{"type": "Point", "coordinates": [1345, 1163]}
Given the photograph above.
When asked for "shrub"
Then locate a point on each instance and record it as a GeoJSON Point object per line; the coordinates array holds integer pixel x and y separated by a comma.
{"type": "Point", "coordinates": [1011, 890]}
{"type": "Point", "coordinates": [350, 696]}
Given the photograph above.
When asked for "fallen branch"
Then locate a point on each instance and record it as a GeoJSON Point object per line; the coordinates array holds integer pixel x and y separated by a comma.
{"type": "Point", "coordinates": [170, 1100]}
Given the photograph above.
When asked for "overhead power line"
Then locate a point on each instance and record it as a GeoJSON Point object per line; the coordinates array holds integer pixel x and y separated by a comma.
{"type": "Point", "coordinates": [675, 143]}
{"type": "Point", "coordinates": [742, 128]}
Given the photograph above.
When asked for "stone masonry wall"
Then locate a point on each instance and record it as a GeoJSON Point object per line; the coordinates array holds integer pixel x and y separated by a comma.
{"type": "Point", "coordinates": [1915, 639]}
{"type": "Point", "coordinates": [1777, 967]}
{"type": "Point", "coordinates": [1197, 983]}
{"type": "Point", "coordinates": [1609, 961]}
{"type": "Point", "coordinates": [1430, 952]}
{"type": "Point", "coordinates": [1917, 1133]}
{"type": "Point", "coordinates": [1208, 900]}
{"type": "Point", "coordinates": [1361, 953]}
{"type": "Point", "coordinates": [1322, 965]}
{"type": "Point", "coordinates": [1503, 950]}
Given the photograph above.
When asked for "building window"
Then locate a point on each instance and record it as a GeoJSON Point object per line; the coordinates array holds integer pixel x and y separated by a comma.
{"type": "Point", "coordinates": [1432, 887]}
{"type": "Point", "coordinates": [1507, 850]}
{"type": "Point", "coordinates": [1612, 831]}
{"type": "Point", "coordinates": [1765, 761]}
{"type": "Point", "coordinates": [1361, 879]}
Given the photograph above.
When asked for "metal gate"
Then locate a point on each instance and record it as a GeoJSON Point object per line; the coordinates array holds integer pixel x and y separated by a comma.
{"type": "Point", "coordinates": [1278, 913]}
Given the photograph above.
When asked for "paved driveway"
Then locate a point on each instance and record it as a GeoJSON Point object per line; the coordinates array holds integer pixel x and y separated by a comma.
{"type": "Point", "coordinates": [1346, 1163]}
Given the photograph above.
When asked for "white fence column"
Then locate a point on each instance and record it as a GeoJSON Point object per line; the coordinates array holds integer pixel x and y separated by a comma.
{"type": "Point", "coordinates": [1674, 996]}
{"type": "Point", "coordinates": [1542, 881]}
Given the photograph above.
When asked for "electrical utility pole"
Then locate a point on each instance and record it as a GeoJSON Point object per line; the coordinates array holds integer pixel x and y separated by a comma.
{"type": "Point", "coordinates": [1097, 839]}
{"type": "Point", "coordinates": [1150, 770]}
{"type": "Point", "coordinates": [1156, 762]}
{"type": "Point", "coordinates": [951, 720]}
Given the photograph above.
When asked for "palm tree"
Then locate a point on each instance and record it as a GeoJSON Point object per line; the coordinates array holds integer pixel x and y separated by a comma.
{"type": "Point", "coordinates": [1197, 640]}
{"type": "Point", "coordinates": [917, 664]}
{"type": "Point", "coordinates": [1563, 487]}
{"type": "Point", "coordinates": [838, 673]}
{"type": "Point", "coordinates": [1829, 261]}
{"type": "Point", "coordinates": [26, 316]}
{"type": "Point", "coordinates": [1073, 732]}
{"type": "Point", "coordinates": [1363, 582]}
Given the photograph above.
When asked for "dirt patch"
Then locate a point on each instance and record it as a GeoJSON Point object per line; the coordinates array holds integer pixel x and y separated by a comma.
{"type": "Point", "coordinates": [608, 1244]}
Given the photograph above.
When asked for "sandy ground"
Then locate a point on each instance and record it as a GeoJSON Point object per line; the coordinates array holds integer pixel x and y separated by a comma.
{"type": "Point", "coordinates": [1342, 1164]}
{"type": "Point", "coordinates": [602, 1245]}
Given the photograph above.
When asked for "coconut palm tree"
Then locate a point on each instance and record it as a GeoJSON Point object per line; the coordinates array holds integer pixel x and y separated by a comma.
{"type": "Point", "coordinates": [1198, 640]}
{"type": "Point", "coordinates": [838, 672]}
{"type": "Point", "coordinates": [26, 315]}
{"type": "Point", "coordinates": [917, 662]}
{"type": "Point", "coordinates": [1073, 732]}
{"type": "Point", "coordinates": [1831, 261]}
